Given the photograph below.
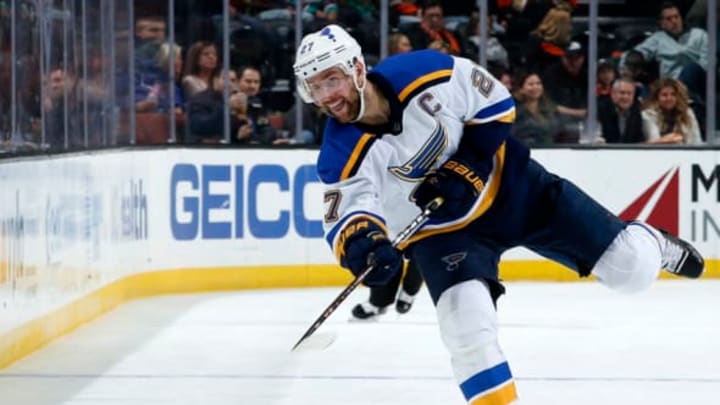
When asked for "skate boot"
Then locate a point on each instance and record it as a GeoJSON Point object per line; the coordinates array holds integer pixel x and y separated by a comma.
{"type": "Point", "coordinates": [367, 312]}
{"type": "Point", "coordinates": [404, 302]}
{"type": "Point", "coordinates": [680, 258]}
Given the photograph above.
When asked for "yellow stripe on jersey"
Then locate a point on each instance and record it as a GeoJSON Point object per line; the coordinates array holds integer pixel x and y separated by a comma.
{"type": "Point", "coordinates": [354, 159]}
{"type": "Point", "coordinates": [491, 193]}
{"type": "Point", "coordinates": [508, 118]}
{"type": "Point", "coordinates": [503, 396]}
{"type": "Point", "coordinates": [422, 80]}
{"type": "Point", "coordinates": [345, 232]}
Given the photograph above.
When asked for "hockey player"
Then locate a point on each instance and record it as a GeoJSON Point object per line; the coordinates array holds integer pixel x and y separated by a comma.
{"type": "Point", "coordinates": [425, 124]}
{"type": "Point", "coordinates": [401, 290]}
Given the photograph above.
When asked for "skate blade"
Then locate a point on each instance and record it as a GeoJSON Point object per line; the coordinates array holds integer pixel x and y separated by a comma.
{"type": "Point", "coordinates": [316, 342]}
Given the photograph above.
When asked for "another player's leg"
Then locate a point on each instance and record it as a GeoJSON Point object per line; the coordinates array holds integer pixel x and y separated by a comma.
{"type": "Point", "coordinates": [411, 283]}
{"type": "Point", "coordinates": [381, 297]}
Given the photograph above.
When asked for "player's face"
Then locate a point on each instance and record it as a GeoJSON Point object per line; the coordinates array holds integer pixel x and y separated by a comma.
{"type": "Point", "coordinates": [335, 93]}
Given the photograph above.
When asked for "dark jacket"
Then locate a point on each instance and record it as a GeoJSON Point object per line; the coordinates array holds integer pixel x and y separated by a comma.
{"type": "Point", "coordinates": [205, 117]}
{"type": "Point", "coordinates": [608, 117]}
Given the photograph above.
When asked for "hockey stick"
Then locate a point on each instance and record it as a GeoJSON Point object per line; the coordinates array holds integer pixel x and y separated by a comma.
{"type": "Point", "coordinates": [409, 230]}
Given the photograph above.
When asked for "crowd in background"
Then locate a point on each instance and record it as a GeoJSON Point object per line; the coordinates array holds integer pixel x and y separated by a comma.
{"type": "Point", "coordinates": [650, 73]}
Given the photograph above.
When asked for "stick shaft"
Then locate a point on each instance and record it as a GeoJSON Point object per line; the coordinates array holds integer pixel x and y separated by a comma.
{"type": "Point", "coordinates": [409, 230]}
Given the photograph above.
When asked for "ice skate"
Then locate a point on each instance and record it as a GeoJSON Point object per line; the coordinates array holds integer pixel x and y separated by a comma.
{"type": "Point", "coordinates": [404, 302]}
{"type": "Point", "coordinates": [680, 258]}
{"type": "Point", "coordinates": [367, 312]}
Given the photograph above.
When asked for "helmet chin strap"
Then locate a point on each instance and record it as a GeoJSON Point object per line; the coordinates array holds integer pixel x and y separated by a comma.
{"type": "Point", "coordinates": [361, 92]}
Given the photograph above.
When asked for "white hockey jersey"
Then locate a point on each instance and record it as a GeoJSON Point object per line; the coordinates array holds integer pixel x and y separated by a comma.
{"type": "Point", "coordinates": [435, 100]}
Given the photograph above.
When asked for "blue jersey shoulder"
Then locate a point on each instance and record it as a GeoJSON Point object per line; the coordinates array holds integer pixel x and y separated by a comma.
{"type": "Point", "coordinates": [411, 72]}
{"type": "Point", "coordinates": [342, 150]}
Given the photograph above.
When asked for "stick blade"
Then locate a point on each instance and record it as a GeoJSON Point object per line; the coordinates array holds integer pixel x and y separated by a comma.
{"type": "Point", "coordinates": [315, 342]}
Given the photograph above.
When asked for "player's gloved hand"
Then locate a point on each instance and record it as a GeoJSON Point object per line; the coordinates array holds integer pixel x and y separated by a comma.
{"type": "Point", "coordinates": [457, 183]}
{"type": "Point", "coordinates": [373, 247]}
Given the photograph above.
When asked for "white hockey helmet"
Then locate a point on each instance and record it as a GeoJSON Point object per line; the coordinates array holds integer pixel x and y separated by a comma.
{"type": "Point", "coordinates": [322, 50]}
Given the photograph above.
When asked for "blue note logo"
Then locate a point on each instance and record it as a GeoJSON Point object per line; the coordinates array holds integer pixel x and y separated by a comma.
{"type": "Point", "coordinates": [453, 260]}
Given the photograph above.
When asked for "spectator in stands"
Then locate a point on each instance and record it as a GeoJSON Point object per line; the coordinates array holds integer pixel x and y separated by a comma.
{"type": "Point", "coordinates": [494, 50]}
{"type": "Point", "coordinates": [313, 120]}
{"type": "Point", "coordinates": [314, 9]}
{"type": "Point", "coordinates": [200, 68]}
{"type": "Point", "coordinates": [519, 17]}
{"type": "Point", "coordinates": [62, 114]}
{"type": "Point", "coordinates": [150, 28]}
{"type": "Point", "coordinates": [153, 89]}
{"type": "Point", "coordinates": [606, 75]}
{"type": "Point", "coordinates": [150, 32]}
{"type": "Point", "coordinates": [152, 94]}
{"type": "Point", "coordinates": [667, 117]}
{"type": "Point", "coordinates": [249, 83]}
{"type": "Point", "coordinates": [366, 10]}
{"type": "Point", "coordinates": [681, 53]}
{"type": "Point", "coordinates": [547, 42]}
{"type": "Point", "coordinates": [206, 113]}
{"type": "Point", "coordinates": [440, 46]}
{"type": "Point", "coordinates": [331, 12]}
{"type": "Point", "coordinates": [620, 114]}
{"type": "Point", "coordinates": [567, 86]}
{"type": "Point", "coordinates": [398, 42]}
{"type": "Point", "coordinates": [432, 28]}
{"type": "Point", "coordinates": [535, 122]}
{"type": "Point", "coordinates": [405, 7]}
{"type": "Point", "coordinates": [635, 69]}
{"type": "Point", "coordinates": [319, 15]}
{"type": "Point", "coordinates": [503, 74]}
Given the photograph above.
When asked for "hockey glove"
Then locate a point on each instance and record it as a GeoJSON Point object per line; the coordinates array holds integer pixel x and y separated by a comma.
{"type": "Point", "coordinates": [372, 247]}
{"type": "Point", "coordinates": [457, 183]}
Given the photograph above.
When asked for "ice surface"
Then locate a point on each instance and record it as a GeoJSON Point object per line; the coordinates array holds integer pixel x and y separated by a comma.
{"type": "Point", "coordinates": [567, 343]}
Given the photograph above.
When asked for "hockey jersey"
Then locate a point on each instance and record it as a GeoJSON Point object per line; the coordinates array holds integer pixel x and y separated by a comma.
{"type": "Point", "coordinates": [439, 104]}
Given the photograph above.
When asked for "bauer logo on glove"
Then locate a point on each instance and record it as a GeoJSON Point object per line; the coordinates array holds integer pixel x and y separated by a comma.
{"type": "Point", "coordinates": [467, 173]}
{"type": "Point", "coordinates": [457, 183]}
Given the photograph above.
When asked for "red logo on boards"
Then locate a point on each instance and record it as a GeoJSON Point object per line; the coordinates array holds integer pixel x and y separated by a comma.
{"type": "Point", "coordinates": [659, 204]}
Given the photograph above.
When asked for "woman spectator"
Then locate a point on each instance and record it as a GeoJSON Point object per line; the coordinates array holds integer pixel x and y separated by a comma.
{"type": "Point", "coordinates": [153, 99]}
{"type": "Point", "coordinates": [200, 67]}
{"type": "Point", "coordinates": [158, 99]}
{"type": "Point", "coordinates": [535, 123]}
{"type": "Point", "coordinates": [667, 117]}
{"type": "Point", "coordinates": [163, 56]}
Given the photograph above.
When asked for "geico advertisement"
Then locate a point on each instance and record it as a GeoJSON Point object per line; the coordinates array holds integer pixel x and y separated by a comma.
{"type": "Point", "coordinates": [231, 201]}
{"type": "Point", "coordinates": [244, 207]}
